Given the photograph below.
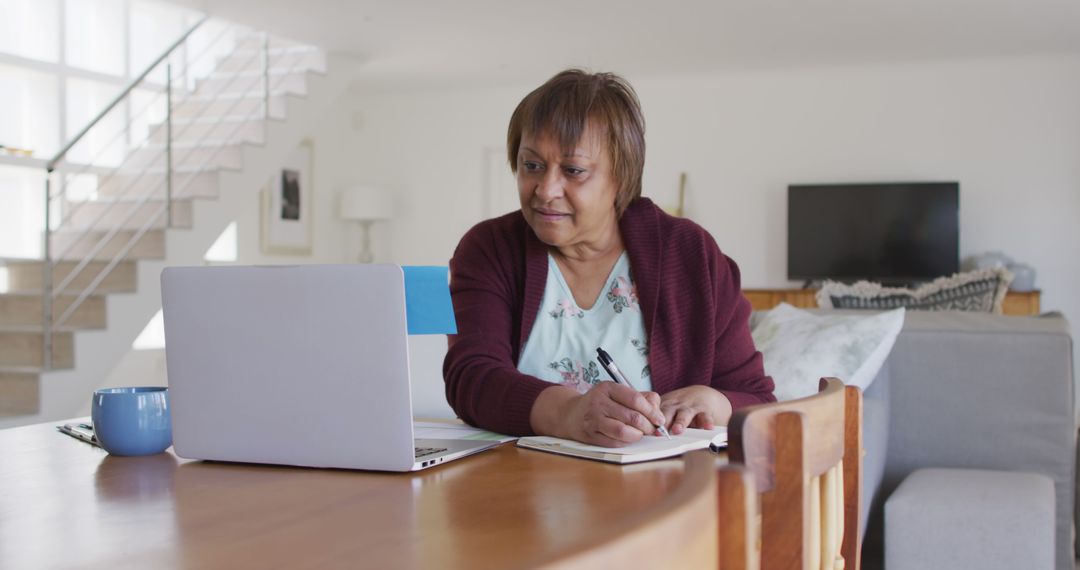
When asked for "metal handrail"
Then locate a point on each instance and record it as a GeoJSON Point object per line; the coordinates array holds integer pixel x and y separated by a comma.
{"type": "Point", "coordinates": [131, 184]}
{"type": "Point", "coordinates": [137, 203]}
{"type": "Point", "coordinates": [47, 262]}
{"type": "Point", "coordinates": [86, 167]}
{"type": "Point", "coordinates": [127, 188]}
{"type": "Point", "coordinates": [122, 95]}
{"type": "Point", "coordinates": [141, 199]}
{"type": "Point", "coordinates": [130, 244]}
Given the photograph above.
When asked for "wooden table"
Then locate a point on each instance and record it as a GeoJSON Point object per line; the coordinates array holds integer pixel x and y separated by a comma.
{"type": "Point", "coordinates": [67, 504]}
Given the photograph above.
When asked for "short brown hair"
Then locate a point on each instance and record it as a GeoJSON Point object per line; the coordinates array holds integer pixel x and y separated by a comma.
{"type": "Point", "coordinates": [570, 100]}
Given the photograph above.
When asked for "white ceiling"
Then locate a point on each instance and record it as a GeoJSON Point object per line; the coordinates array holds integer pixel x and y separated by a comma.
{"type": "Point", "coordinates": [422, 42]}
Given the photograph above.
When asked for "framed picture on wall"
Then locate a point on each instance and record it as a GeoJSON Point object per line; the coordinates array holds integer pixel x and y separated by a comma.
{"type": "Point", "coordinates": [287, 206]}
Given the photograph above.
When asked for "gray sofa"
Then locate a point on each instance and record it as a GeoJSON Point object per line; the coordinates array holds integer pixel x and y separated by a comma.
{"type": "Point", "coordinates": [972, 390]}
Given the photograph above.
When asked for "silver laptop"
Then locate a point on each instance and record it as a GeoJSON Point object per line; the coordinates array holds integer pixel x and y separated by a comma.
{"type": "Point", "coordinates": [294, 365]}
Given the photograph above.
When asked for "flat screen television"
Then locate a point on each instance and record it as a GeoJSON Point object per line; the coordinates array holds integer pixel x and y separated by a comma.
{"type": "Point", "coordinates": [892, 233]}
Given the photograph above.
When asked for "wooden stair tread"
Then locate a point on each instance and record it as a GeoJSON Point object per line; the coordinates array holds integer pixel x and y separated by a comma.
{"type": "Point", "coordinates": [37, 294]}
{"type": "Point", "coordinates": [20, 358]}
{"type": "Point", "coordinates": [38, 329]}
{"type": "Point", "coordinates": [32, 261]}
{"type": "Point", "coordinates": [21, 370]}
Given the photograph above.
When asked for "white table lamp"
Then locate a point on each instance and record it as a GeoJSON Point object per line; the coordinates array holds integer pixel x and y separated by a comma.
{"type": "Point", "coordinates": [366, 205]}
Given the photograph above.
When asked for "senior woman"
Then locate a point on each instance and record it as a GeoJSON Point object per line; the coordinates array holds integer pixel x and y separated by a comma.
{"type": "Point", "coordinates": [588, 263]}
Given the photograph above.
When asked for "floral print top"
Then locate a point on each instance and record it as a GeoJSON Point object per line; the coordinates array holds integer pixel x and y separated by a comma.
{"type": "Point", "coordinates": [562, 344]}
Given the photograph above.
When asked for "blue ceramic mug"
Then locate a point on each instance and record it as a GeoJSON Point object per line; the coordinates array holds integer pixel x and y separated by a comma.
{"type": "Point", "coordinates": [132, 421]}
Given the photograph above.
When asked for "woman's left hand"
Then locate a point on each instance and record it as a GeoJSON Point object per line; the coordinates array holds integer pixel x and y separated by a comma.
{"type": "Point", "coordinates": [695, 406]}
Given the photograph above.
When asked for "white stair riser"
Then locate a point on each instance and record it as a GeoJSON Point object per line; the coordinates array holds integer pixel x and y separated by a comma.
{"type": "Point", "coordinates": [27, 348]}
{"type": "Point", "coordinates": [27, 276]}
{"type": "Point", "coordinates": [256, 42]}
{"type": "Point", "coordinates": [245, 106]}
{"type": "Point", "coordinates": [127, 314]}
{"type": "Point", "coordinates": [224, 156]}
{"type": "Point", "coordinates": [253, 130]}
{"type": "Point", "coordinates": [72, 245]}
{"type": "Point", "coordinates": [185, 185]}
{"type": "Point", "coordinates": [291, 60]}
{"type": "Point", "coordinates": [26, 310]}
{"type": "Point", "coordinates": [108, 215]}
{"type": "Point", "coordinates": [252, 84]}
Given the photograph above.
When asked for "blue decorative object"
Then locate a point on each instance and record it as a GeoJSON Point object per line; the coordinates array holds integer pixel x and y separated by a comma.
{"type": "Point", "coordinates": [132, 421]}
{"type": "Point", "coordinates": [1023, 277]}
{"type": "Point", "coordinates": [428, 308]}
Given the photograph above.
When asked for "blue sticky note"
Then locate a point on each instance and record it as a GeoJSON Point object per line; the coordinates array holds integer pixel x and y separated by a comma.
{"type": "Point", "coordinates": [428, 309]}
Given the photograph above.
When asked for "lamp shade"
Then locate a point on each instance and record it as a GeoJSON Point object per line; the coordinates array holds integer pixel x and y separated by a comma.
{"type": "Point", "coordinates": [365, 203]}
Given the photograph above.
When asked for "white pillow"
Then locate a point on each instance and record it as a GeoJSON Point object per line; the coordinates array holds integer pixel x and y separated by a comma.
{"type": "Point", "coordinates": [800, 347]}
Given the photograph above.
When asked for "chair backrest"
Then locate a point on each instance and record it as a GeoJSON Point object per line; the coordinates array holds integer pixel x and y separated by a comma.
{"type": "Point", "coordinates": [805, 457]}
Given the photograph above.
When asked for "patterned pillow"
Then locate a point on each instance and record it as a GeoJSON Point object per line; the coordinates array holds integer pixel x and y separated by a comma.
{"type": "Point", "coordinates": [981, 291]}
{"type": "Point", "coordinates": [800, 347]}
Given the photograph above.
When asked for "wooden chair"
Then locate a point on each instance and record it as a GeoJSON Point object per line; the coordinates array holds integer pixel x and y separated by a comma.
{"type": "Point", "coordinates": [805, 457]}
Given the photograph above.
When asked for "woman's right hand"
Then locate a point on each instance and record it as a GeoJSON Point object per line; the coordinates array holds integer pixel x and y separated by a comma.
{"type": "Point", "coordinates": [609, 414]}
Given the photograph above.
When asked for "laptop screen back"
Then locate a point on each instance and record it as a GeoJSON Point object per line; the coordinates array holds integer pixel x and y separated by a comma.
{"type": "Point", "coordinates": [297, 365]}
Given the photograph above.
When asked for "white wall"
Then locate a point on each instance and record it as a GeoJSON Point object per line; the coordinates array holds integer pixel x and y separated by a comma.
{"type": "Point", "coordinates": [334, 241]}
{"type": "Point", "coordinates": [339, 161]}
{"type": "Point", "coordinates": [1008, 130]}
{"type": "Point", "coordinates": [331, 243]}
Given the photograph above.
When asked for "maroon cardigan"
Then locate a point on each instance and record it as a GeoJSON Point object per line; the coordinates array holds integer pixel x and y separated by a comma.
{"type": "Point", "coordinates": [695, 315]}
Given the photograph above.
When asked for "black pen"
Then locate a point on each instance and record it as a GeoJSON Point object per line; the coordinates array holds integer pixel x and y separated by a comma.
{"type": "Point", "coordinates": [613, 370]}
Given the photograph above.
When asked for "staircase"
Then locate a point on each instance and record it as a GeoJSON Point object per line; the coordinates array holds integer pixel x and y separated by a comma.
{"type": "Point", "coordinates": [231, 129]}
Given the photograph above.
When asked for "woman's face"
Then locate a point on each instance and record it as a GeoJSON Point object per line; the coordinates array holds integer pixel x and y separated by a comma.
{"type": "Point", "coordinates": [568, 199]}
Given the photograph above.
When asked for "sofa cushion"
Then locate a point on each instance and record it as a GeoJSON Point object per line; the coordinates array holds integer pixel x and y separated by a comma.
{"type": "Point", "coordinates": [970, 518]}
{"type": "Point", "coordinates": [981, 291]}
{"type": "Point", "coordinates": [800, 347]}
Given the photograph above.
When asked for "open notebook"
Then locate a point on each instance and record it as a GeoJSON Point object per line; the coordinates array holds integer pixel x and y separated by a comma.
{"type": "Point", "coordinates": [648, 448]}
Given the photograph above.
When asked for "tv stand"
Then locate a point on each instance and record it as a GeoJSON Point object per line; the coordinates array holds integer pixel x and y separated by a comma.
{"type": "Point", "coordinates": [1016, 302]}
